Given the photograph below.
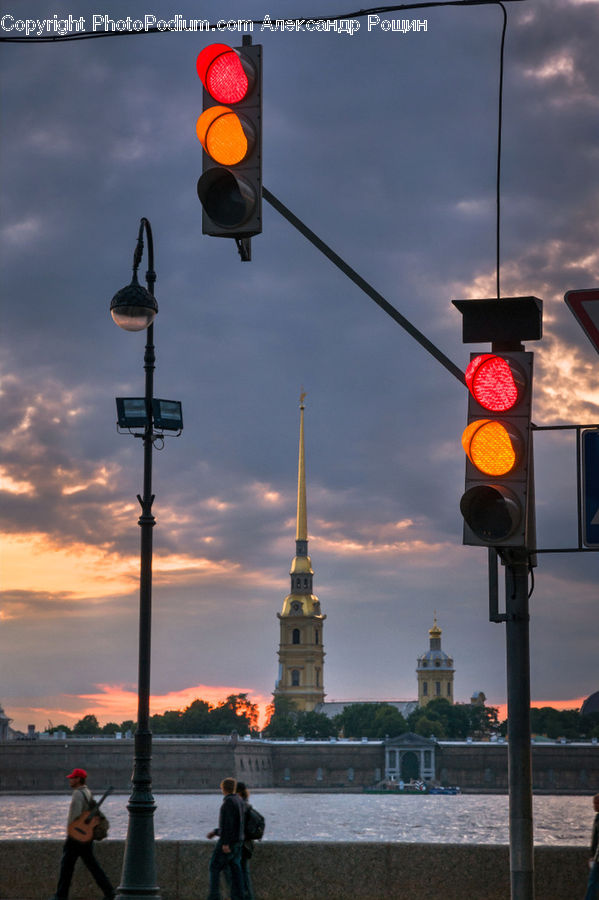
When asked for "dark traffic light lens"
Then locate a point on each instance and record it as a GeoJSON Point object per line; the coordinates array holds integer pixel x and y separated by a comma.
{"type": "Point", "coordinates": [227, 198]}
{"type": "Point", "coordinates": [492, 513]}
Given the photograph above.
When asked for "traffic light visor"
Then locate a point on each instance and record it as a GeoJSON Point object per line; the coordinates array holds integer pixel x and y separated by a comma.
{"type": "Point", "coordinates": [493, 447]}
{"type": "Point", "coordinates": [223, 73]}
{"type": "Point", "coordinates": [222, 135]}
{"type": "Point", "coordinates": [496, 383]}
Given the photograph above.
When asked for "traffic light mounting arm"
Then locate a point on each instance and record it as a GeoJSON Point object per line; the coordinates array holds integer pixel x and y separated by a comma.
{"type": "Point", "coordinates": [363, 285]}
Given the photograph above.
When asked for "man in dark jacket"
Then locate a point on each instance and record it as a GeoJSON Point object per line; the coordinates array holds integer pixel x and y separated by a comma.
{"type": "Point", "coordinates": [593, 882]}
{"type": "Point", "coordinates": [227, 853]}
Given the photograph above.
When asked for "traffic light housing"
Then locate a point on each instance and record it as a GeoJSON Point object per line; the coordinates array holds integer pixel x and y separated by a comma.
{"type": "Point", "coordinates": [497, 505]}
{"type": "Point", "coordinates": [230, 131]}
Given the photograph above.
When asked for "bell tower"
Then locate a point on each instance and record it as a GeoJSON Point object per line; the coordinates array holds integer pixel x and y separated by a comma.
{"type": "Point", "coordinates": [301, 651]}
{"type": "Point", "coordinates": [435, 670]}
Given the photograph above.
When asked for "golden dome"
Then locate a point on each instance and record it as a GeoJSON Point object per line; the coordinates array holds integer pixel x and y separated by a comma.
{"type": "Point", "coordinates": [435, 631]}
{"type": "Point", "coordinates": [301, 605]}
{"type": "Point", "coordinates": [301, 565]}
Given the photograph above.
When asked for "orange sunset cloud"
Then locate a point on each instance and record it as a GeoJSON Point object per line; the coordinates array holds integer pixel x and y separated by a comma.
{"type": "Point", "coordinates": [539, 704]}
{"type": "Point", "coordinates": [84, 571]}
{"type": "Point", "coordinates": [118, 703]}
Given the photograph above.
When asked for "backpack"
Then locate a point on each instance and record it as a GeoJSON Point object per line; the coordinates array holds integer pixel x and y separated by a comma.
{"type": "Point", "coordinates": [254, 825]}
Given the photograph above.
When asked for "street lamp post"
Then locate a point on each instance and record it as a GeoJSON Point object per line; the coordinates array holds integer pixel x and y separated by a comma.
{"type": "Point", "coordinates": [134, 308]}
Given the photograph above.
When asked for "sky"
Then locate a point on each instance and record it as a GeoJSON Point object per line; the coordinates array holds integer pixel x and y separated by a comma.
{"type": "Point", "coordinates": [384, 143]}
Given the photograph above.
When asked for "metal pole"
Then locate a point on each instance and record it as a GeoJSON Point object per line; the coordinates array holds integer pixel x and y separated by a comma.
{"type": "Point", "coordinates": [519, 749]}
{"type": "Point", "coordinates": [138, 877]}
{"type": "Point", "coordinates": [362, 284]}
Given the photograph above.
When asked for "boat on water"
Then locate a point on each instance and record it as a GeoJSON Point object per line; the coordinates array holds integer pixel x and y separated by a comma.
{"type": "Point", "coordinates": [390, 786]}
{"type": "Point", "coordinates": [451, 789]}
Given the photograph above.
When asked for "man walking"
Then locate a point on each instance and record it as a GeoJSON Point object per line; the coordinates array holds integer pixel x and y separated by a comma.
{"type": "Point", "coordinates": [593, 882]}
{"type": "Point", "coordinates": [81, 801]}
{"type": "Point", "coordinates": [230, 832]}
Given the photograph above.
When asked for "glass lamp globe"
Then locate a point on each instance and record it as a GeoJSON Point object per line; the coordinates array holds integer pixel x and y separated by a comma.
{"type": "Point", "coordinates": [133, 308]}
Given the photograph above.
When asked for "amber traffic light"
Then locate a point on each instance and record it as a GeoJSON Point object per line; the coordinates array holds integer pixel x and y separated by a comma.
{"type": "Point", "coordinates": [223, 135]}
{"type": "Point", "coordinates": [230, 131]}
{"type": "Point", "coordinates": [498, 448]}
{"type": "Point", "coordinates": [493, 447]}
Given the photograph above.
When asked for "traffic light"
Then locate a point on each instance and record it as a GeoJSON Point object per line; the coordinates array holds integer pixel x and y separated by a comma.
{"type": "Point", "coordinates": [496, 504]}
{"type": "Point", "coordinates": [230, 131]}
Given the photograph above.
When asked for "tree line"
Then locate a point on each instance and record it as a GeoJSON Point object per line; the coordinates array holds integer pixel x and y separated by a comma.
{"type": "Point", "coordinates": [379, 720]}
{"type": "Point", "coordinates": [567, 723]}
{"type": "Point", "coordinates": [235, 713]}
{"type": "Point", "coordinates": [439, 718]}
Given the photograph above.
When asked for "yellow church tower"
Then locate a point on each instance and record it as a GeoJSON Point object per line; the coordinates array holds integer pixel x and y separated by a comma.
{"type": "Point", "coordinates": [301, 651]}
{"type": "Point", "coordinates": [435, 670]}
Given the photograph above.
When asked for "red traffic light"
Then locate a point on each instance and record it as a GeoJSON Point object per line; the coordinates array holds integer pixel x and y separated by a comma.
{"type": "Point", "coordinates": [226, 77]}
{"type": "Point", "coordinates": [496, 383]}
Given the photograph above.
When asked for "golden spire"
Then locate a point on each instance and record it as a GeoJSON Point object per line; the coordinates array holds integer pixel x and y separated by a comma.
{"type": "Point", "coordinates": [301, 596]}
{"type": "Point", "coordinates": [302, 516]}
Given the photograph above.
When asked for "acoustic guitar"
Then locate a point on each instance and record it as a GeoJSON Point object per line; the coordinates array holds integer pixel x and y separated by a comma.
{"type": "Point", "coordinates": [82, 828]}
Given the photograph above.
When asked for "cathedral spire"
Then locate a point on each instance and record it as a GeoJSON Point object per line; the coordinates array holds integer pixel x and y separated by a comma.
{"type": "Point", "coordinates": [301, 533]}
{"type": "Point", "coordinates": [301, 564]}
{"type": "Point", "coordinates": [301, 651]}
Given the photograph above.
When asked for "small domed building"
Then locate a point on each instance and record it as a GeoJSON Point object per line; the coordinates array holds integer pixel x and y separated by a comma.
{"type": "Point", "coordinates": [435, 670]}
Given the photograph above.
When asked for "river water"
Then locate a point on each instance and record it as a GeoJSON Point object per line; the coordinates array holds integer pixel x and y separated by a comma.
{"type": "Point", "coordinates": [465, 818]}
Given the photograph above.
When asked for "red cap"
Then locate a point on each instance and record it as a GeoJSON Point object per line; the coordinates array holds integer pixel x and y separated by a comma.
{"type": "Point", "coordinates": [78, 773]}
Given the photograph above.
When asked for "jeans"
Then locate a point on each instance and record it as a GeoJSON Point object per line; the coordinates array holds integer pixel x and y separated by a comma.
{"type": "Point", "coordinates": [220, 862]}
{"type": "Point", "coordinates": [593, 883]}
{"type": "Point", "coordinates": [246, 879]}
{"type": "Point", "coordinates": [71, 852]}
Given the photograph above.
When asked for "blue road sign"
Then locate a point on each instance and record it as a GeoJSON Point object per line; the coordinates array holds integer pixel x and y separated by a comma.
{"type": "Point", "coordinates": [590, 487]}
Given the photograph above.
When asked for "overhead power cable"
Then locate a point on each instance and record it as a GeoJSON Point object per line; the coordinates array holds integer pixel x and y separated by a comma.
{"type": "Point", "coordinates": [499, 129]}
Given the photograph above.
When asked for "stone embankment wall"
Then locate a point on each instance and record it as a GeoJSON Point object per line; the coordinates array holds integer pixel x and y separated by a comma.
{"type": "Point", "coordinates": [340, 765]}
{"type": "Point", "coordinates": [556, 768]}
{"type": "Point", "coordinates": [301, 871]}
{"type": "Point", "coordinates": [193, 765]}
{"type": "Point", "coordinates": [177, 765]}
